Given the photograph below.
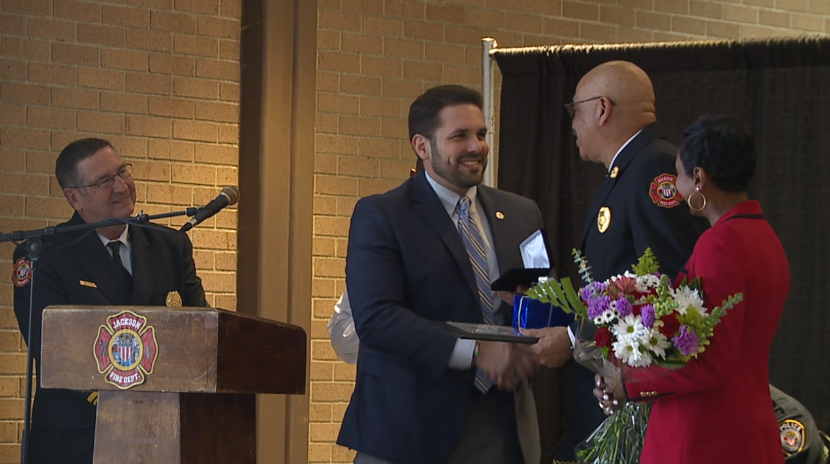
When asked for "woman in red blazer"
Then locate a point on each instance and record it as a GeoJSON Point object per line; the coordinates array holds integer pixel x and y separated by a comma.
{"type": "Point", "coordinates": [717, 408]}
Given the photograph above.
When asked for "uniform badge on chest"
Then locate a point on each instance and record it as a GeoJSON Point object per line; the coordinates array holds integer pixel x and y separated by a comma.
{"type": "Point", "coordinates": [603, 219]}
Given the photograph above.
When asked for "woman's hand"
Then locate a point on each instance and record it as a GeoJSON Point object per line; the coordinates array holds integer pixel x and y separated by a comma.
{"type": "Point", "coordinates": [609, 392]}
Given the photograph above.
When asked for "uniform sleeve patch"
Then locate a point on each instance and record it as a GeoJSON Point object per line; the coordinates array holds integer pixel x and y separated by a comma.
{"type": "Point", "coordinates": [663, 191]}
{"type": "Point", "coordinates": [792, 436]}
{"type": "Point", "coordinates": [22, 274]}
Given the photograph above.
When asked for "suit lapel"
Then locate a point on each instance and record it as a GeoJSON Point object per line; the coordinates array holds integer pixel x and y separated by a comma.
{"type": "Point", "coordinates": [94, 259]}
{"type": "Point", "coordinates": [428, 206]}
{"type": "Point", "coordinates": [145, 266]}
{"type": "Point", "coordinates": [623, 160]}
{"type": "Point", "coordinates": [499, 227]}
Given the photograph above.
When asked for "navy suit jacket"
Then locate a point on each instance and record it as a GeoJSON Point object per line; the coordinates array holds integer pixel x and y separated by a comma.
{"type": "Point", "coordinates": [407, 270]}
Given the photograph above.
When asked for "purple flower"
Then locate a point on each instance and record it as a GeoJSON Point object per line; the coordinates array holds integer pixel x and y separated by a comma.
{"type": "Point", "coordinates": [687, 341]}
{"type": "Point", "coordinates": [598, 305]}
{"type": "Point", "coordinates": [647, 313]}
{"type": "Point", "coordinates": [624, 307]}
{"type": "Point", "coordinates": [592, 290]}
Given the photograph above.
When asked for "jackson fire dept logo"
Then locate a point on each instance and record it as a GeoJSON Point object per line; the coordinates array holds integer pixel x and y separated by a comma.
{"type": "Point", "coordinates": [22, 272]}
{"type": "Point", "coordinates": [663, 191]}
{"type": "Point", "coordinates": [126, 349]}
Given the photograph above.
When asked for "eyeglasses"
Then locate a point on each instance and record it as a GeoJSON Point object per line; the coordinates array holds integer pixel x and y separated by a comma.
{"type": "Point", "coordinates": [125, 172]}
{"type": "Point", "coordinates": [571, 107]}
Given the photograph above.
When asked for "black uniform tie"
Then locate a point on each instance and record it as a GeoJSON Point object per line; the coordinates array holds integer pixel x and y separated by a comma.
{"type": "Point", "coordinates": [115, 247]}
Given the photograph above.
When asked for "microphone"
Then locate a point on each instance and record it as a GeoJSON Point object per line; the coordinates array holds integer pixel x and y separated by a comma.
{"type": "Point", "coordinates": [228, 197]}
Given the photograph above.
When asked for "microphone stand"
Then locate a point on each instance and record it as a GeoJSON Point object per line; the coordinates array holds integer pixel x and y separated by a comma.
{"type": "Point", "coordinates": [34, 246]}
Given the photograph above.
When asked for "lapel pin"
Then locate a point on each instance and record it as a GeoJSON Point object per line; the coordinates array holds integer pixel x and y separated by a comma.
{"type": "Point", "coordinates": [603, 219]}
{"type": "Point", "coordinates": [86, 283]}
{"type": "Point", "coordinates": [499, 215]}
{"type": "Point", "coordinates": [615, 172]}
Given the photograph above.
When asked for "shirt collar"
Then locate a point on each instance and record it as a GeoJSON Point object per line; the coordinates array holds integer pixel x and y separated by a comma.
{"type": "Point", "coordinates": [611, 166]}
{"type": "Point", "coordinates": [449, 198]}
{"type": "Point", "coordinates": [123, 238]}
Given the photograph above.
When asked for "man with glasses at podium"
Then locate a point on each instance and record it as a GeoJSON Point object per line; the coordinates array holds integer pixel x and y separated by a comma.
{"type": "Point", "coordinates": [118, 265]}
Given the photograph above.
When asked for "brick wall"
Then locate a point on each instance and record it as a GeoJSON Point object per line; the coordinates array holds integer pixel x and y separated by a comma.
{"type": "Point", "coordinates": [159, 79]}
{"type": "Point", "coordinates": [376, 56]}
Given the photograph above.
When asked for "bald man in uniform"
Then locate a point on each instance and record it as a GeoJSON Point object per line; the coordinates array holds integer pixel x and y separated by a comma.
{"type": "Point", "coordinates": [636, 207]}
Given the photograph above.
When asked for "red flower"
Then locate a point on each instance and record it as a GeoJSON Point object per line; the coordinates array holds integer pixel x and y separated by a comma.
{"type": "Point", "coordinates": [603, 337]}
{"type": "Point", "coordinates": [670, 325]}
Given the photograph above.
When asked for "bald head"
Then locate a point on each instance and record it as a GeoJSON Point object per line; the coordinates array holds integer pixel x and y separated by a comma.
{"type": "Point", "coordinates": [627, 107]}
{"type": "Point", "coordinates": [624, 83]}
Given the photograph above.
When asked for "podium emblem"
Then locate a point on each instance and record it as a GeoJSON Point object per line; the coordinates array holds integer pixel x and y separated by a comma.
{"type": "Point", "coordinates": [22, 272]}
{"type": "Point", "coordinates": [125, 350]}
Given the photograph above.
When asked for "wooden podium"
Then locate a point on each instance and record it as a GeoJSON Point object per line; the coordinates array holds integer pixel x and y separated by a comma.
{"type": "Point", "coordinates": [176, 385]}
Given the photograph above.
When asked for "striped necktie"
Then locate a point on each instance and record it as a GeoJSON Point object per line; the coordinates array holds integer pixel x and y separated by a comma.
{"type": "Point", "coordinates": [474, 244]}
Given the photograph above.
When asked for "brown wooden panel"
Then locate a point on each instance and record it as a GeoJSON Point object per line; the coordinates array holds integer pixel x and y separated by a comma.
{"type": "Point", "coordinates": [186, 339]}
{"type": "Point", "coordinates": [137, 428]}
{"type": "Point", "coordinates": [257, 357]}
{"type": "Point", "coordinates": [218, 428]}
{"type": "Point", "coordinates": [196, 346]}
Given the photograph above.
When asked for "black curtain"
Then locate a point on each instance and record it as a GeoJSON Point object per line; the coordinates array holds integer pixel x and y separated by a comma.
{"type": "Point", "coordinates": [777, 87]}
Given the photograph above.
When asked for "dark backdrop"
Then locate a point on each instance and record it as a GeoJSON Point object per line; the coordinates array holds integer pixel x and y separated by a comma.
{"type": "Point", "coordinates": [777, 87]}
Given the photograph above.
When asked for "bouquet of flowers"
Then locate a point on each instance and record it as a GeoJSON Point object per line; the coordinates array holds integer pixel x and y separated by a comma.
{"type": "Point", "coordinates": [640, 321]}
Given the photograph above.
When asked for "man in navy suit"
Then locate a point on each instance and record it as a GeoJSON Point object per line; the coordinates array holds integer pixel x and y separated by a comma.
{"type": "Point", "coordinates": [407, 271]}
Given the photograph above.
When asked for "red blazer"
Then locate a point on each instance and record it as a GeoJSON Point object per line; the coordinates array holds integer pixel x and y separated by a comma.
{"type": "Point", "coordinates": [717, 408]}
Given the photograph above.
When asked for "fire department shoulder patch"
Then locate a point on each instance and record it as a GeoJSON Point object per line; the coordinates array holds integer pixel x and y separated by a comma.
{"type": "Point", "coordinates": [22, 274]}
{"type": "Point", "coordinates": [125, 350]}
{"type": "Point", "coordinates": [792, 436]}
{"type": "Point", "coordinates": [663, 191]}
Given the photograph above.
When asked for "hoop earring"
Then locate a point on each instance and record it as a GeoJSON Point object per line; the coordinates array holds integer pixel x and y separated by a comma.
{"type": "Point", "coordinates": [689, 201]}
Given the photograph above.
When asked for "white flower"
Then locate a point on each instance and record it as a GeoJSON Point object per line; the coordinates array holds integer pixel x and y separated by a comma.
{"type": "Point", "coordinates": [631, 327]}
{"type": "Point", "coordinates": [688, 298]}
{"type": "Point", "coordinates": [630, 352]}
{"type": "Point", "coordinates": [647, 282]}
{"type": "Point", "coordinates": [609, 316]}
{"type": "Point", "coordinates": [657, 343]}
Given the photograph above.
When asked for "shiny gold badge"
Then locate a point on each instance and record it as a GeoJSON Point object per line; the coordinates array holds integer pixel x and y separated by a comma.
{"type": "Point", "coordinates": [499, 215]}
{"type": "Point", "coordinates": [615, 172]}
{"type": "Point", "coordinates": [174, 300]}
{"type": "Point", "coordinates": [603, 219]}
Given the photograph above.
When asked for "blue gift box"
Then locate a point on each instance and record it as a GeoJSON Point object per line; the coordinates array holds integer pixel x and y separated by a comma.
{"type": "Point", "coordinates": [533, 314]}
